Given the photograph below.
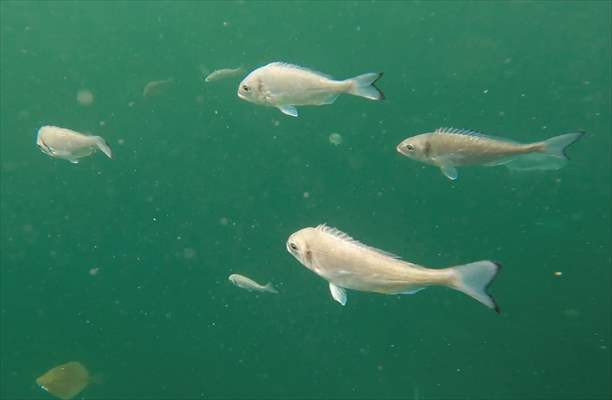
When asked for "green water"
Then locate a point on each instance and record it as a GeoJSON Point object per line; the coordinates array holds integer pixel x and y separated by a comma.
{"type": "Point", "coordinates": [203, 184]}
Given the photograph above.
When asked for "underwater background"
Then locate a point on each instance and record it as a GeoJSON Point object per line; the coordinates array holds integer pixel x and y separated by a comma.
{"type": "Point", "coordinates": [122, 264]}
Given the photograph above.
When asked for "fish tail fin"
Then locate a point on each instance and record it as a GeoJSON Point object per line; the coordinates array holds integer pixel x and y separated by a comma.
{"type": "Point", "coordinates": [270, 288]}
{"type": "Point", "coordinates": [474, 278]}
{"type": "Point", "coordinates": [551, 156]}
{"type": "Point", "coordinates": [104, 148]}
{"type": "Point", "coordinates": [363, 86]}
{"type": "Point", "coordinates": [555, 146]}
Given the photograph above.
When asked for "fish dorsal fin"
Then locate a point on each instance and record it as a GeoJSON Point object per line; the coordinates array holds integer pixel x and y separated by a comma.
{"type": "Point", "coordinates": [341, 235]}
{"type": "Point", "coordinates": [299, 67]}
{"type": "Point", "coordinates": [456, 131]}
{"type": "Point", "coordinates": [473, 134]}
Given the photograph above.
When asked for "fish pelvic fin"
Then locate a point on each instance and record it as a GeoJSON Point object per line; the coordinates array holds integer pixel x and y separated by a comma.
{"type": "Point", "coordinates": [104, 148]}
{"type": "Point", "coordinates": [551, 156]}
{"type": "Point", "coordinates": [270, 289]}
{"type": "Point", "coordinates": [338, 293]}
{"type": "Point", "coordinates": [363, 86]}
{"type": "Point", "coordinates": [474, 279]}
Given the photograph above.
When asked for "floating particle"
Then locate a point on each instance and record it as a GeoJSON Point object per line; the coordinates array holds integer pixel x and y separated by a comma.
{"type": "Point", "coordinates": [335, 139]}
{"type": "Point", "coordinates": [121, 141]}
{"type": "Point", "coordinates": [94, 271]}
{"type": "Point", "coordinates": [189, 253]}
{"type": "Point", "coordinates": [306, 195]}
{"type": "Point", "coordinates": [223, 221]}
{"type": "Point", "coordinates": [558, 273]}
{"type": "Point", "coordinates": [85, 97]}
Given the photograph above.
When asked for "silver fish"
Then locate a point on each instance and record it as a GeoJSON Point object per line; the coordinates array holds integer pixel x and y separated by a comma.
{"type": "Point", "coordinates": [448, 148]}
{"type": "Point", "coordinates": [250, 285]}
{"type": "Point", "coordinates": [155, 88]}
{"type": "Point", "coordinates": [68, 144]}
{"type": "Point", "coordinates": [285, 86]}
{"type": "Point", "coordinates": [223, 73]}
{"type": "Point", "coordinates": [349, 264]}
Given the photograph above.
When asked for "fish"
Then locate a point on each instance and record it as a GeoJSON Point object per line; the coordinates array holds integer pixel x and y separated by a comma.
{"type": "Point", "coordinates": [285, 86]}
{"type": "Point", "coordinates": [68, 144]}
{"type": "Point", "coordinates": [223, 73]}
{"type": "Point", "coordinates": [449, 148]}
{"type": "Point", "coordinates": [66, 381]}
{"type": "Point", "coordinates": [155, 88]}
{"type": "Point", "coordinates": [346, 263]}
{"type": "Point", "coordinates": [250, 285]}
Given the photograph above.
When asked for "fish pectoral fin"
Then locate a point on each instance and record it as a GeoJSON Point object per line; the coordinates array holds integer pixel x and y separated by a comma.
{"type": "Point", "coordinates": [338, 293]}
{"type": "Point", "coordinates": [288, 110]}
{"type": "Point", "coordinates": [413, 291]}
{"type": "Point", "coordinates": [74, 160]}
{"type": "Point", "coordinates": [449, 171]}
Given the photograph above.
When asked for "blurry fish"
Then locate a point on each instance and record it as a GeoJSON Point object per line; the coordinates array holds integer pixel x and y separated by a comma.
{"type": "Point", "coordinates": [155, 88]}
{"type": "Point", "coordinates": [65, 381]}
{"type": "Point", "coordinates": [348, 264]}
{"type": "Point", "coordinates": [223, 73]}
{"type": "Point", "coordinates": [285, 86]}
{"type": "Point", "coordinates": [68, 144]}
{"type": "Point", "coordinates": [448, 148]}
{"type": "Point", "coordinates": [250, 285]}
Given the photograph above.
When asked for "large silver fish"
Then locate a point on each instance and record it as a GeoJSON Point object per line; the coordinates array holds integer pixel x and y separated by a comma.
{"type": "Point", "coordinates": [448, 148]}
{"type": "Point", "coordinates": [349, 264]}
{"type": "Point", "coordinates": [68, 144]}
{"type": "Point", "coordinates": [285, 86]}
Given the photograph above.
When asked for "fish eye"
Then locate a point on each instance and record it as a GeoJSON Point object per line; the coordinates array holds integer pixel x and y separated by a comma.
{"type": "Point", "coordinates": [293, 246]}
{"type": "Point", "coordinates": [409, 147]}
{"type": "Point", "coordinates": [245, 88]}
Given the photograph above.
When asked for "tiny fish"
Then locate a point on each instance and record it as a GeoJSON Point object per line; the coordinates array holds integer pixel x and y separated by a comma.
{"type": "Point", "coordinates": [349, 264]}
{"type": "Point", "coordinates": [68, 144]}
{"type": "Point", "coordinates": [285, 86]}
{"type": "Point", "coordinates": [448, 148]}
{"type": "Point", "coordinates": [223, 73]}
{"type": "Point", "coordinates": [250, 285]}
{"type": "Point", "coordinates": [65, 381]}
{"type": "Point", "coordinates": [155, 88]}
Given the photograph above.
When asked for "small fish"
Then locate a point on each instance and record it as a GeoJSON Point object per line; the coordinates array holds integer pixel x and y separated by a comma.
{"type": "Point", "coordinates": [349, 264]}
{"type": "Point", "coordinates": [250, 285]}
{"type": "Point", "coordinates": [223, 73]}
{"type": "Point", "coordinates": [285, 86]}
{"type": "Point", "coordinates": [155, 88]}
{"type": "Point", "coordinates": [448, 148]}
{"type": "Point", "coordinates": [65, 381]}
{"type": "Point", "coordinates": [68, 144]}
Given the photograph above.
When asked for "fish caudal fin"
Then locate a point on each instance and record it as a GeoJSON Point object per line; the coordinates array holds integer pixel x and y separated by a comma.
{"type": "Point", "coordinates": [269, 288]}
{"type": "Point", "coordinates": [363, 86]}
{"type": "Point", "coordinates": [104, 148]}
{"type": "Point", "coordinates": [552, 156]}
{"type": "Point", "coordinates": [474, 278]}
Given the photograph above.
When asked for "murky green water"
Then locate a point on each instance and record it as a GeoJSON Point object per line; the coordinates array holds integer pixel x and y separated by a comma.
{"type": "Point", "coordinates": [122, 264]}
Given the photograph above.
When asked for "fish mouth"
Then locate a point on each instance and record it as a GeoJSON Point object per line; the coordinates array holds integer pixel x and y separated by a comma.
{"type": "Point", "coordinates": [241, 95]}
